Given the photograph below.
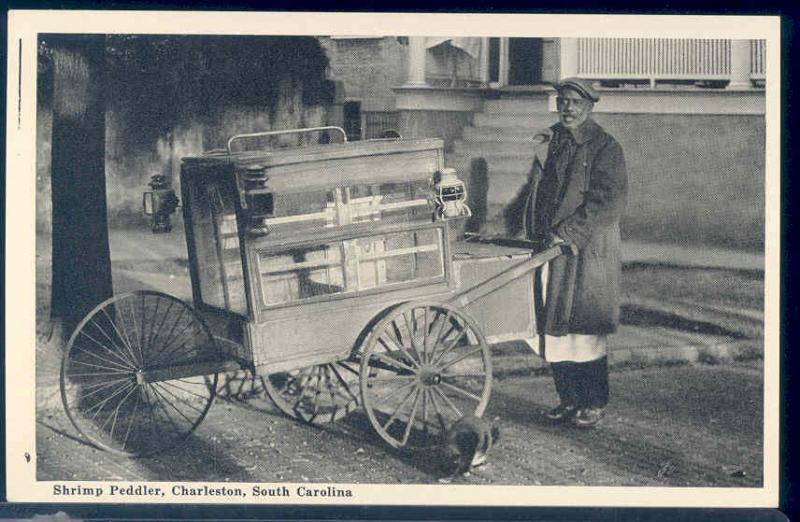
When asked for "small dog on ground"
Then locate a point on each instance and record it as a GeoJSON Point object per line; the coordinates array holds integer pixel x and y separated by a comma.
{"type": "Point", "coordinates": [466, 444]}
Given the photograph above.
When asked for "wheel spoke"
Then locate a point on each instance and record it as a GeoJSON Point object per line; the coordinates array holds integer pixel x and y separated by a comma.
{"type": "Point", "coordinates": [95, 374]}
{"type": "Point", "coordinates": [168, 345]}
{"type": "Point", "coordinates": [131, 420]}
{"type": "Point", "coordinates": [425, 411]}
{"type": "Point", "coordinates": [177, 351]}
{"type": "Point", "coordinates": [158, 397]}
{"type": "Point", "coordinates": [116, 365]}
{"type": "Point", "coordinates": [123, 371]}
{"type": "Point", "coordinates": [438, 339]}
{"type": "Point", "coordinates": [448, 401]}
{"type": "Point", "coordinates": [169, 350]}
{"type": "Point", "coordinates": [178, 399]}
{"type": "Point", "coordinates": [99, 387]}
{"type": "Point", "coordinates": [119, 335]}
{"type": "Point", "coordinates": [459, 358]}
{"type": "Point", "coordinates": [184, 390]}
{"type": "Point", "coordinates": [400, 347]}
{"type": "Point", "coordinates": [439, 415]}
{"type": "Point", "coordinates": [383, 399]}
{"type": "Point", "coordinates": [100, 329]}
{"type": "Point", "coordinates": [348, 368]}
{"type": "Point", "coordinates": [118, 314]}
{"type": "Point", "coordinates": [412, 336]}
{"type": "Point", "coordinates": [144, 320]}
{"type": "Point", "coordinates": [153, 324]}
{"type": "Point", "coordinates": [343, 383]}
{"type": "Point", "coordinates": [450, 346]}
{"type": "Point", "coordinates": [168, 340]}
{"type": "Point", "coordinates": [130, 364]}
{"type": "Point", "coordinates": [394, 362]}
{"type": "Point", "coordinates": [389, 378]}
{"type": "Point", "coordinates": [116, 413]}
{"type": "Point", "coordinates": [399, 408]}
{"type": "Point", "coordinates": [166, 400]}
{"type": "Point", "coordinates": [411, 418]}
{"type": "Point", "coordinates": [461, 391]}
{"type": "Point", "coordinates": [425, 335]}
{"type": "Point", "coordinates": [122, 388]}
{"type": "Point", "coordinates": [136, 334]}
{"type": "Point", "coordinates": [164, 317]}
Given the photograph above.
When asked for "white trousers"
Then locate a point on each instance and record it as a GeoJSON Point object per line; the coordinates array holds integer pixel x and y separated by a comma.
{"type": "Point", "coordinates": [570, 347]}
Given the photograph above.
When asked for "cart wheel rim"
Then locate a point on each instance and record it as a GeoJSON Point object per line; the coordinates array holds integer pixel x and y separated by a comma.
{"type": "Point", "coordinates": [103, 385]}
{"type": "Point", "coordinates": [424, 366]}
{"type": "Point", "coordinates": [318, 395]}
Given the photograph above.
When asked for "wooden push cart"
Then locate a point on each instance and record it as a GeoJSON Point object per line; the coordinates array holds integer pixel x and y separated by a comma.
{"type": "Point", "coordinates": [330, 273]}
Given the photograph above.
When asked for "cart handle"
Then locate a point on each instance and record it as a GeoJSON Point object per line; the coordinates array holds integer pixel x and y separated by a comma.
{"type": "Point", "coordinates": [287, 131]}
{"type": "Point", "coordinates": [507, 276]}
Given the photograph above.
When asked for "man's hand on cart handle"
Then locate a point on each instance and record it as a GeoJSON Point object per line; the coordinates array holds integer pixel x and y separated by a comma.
{"type": "Point", "coordinates": [566, 247]}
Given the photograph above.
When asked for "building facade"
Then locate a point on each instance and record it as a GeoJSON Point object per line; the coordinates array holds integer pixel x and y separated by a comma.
{"type": "Point", "coordinates": [689, 114]}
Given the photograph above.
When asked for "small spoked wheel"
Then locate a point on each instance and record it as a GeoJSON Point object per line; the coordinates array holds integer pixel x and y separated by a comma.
{"type": "Point", "coordinates": [120, 380]}
{"type": "Point", "coordinates": [319, 394]}
{"type": "Point", "coordinates": [424, 366]}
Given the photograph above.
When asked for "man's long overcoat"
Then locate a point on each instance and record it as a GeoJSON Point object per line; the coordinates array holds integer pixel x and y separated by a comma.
{"type": "Point", "coordinates": [582, 294]}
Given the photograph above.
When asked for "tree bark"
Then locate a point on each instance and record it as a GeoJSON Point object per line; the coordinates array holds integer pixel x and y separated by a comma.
{"type": "Point", "coordinates": [81, 264]}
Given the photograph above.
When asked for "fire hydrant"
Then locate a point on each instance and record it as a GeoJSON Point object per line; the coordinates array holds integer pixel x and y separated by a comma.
{"type": "Point", "coordinates": [160, 203]}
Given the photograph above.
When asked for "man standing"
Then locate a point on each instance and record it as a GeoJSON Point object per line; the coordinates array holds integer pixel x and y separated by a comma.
{"type": "Point", "coordinates": [576, 197]}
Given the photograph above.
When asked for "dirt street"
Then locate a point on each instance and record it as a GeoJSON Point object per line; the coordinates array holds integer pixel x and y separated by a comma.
{"type": "Point", "coordinates": [690, 425]}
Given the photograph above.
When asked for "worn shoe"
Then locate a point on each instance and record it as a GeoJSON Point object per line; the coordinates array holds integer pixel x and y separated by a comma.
{"type": "Point", "coordinates": [588, 417]}
{"type": "Point", "coordinates": [561, 412]}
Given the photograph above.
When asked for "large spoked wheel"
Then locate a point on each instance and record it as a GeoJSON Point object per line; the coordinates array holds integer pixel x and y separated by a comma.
{"type": "Point", "coordinates": [424, 366]}
{"type": "Point", "coordinates": [119, 382]}
{"type": "Point", "coordinates": [318, 395]}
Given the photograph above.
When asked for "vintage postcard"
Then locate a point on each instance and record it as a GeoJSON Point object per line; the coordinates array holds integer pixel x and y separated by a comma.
{"type": "Point", "coordinates": [443, 259]}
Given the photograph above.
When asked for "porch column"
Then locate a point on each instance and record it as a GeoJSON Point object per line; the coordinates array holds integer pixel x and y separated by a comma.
{"type": "Point", "coordinates": [416, 62]}
{"type": "Point", "coordinates": [484, 63]}
{"type": "Point", "coordinates": [569, 57]}
{"type": "Point", "coordinates": [740, 65]}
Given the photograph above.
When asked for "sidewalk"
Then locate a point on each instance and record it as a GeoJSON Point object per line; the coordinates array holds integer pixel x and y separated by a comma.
{"type": "Point", "coordinates": [691, 256]}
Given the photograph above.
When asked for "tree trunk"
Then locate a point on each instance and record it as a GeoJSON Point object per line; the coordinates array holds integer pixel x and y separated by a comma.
{"type": "Point", "coordinates": [81, 261]}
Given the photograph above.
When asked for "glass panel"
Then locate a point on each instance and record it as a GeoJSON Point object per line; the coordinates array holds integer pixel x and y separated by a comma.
{"type": "Point", "coordinates": [298, 213]}
{"type": "Point", "coordinates": [387, 202]}
{"type": "Point", "coordinates": [301, 273]}
{"type": "Point", "coordinates": [398, 258]}
{"type": "Point", "coordinates": [350, 266]}
{"type": "Point", "coordinates": [216, 239]}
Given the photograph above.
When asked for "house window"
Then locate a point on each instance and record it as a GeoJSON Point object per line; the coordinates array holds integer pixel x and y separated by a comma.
{"type": "Point", "coordinates": [352, 120]}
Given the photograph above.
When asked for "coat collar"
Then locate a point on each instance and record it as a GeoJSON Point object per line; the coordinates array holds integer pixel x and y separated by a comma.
{"type": "Point", "coordinates": [588, 131]}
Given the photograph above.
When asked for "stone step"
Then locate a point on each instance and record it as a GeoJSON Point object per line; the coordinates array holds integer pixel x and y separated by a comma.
{"type": "Point", "coordinates": [496, 162]}
{"type": "Point", "coordinates": [525, 121]}
{"type": "Point", "coordinates": [493, 147]}
{"type": "Point", "coordinates": [505, 134]}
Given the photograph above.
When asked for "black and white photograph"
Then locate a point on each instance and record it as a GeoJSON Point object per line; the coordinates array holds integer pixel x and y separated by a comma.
{"type": "Point", "coordinates": [396, 262]}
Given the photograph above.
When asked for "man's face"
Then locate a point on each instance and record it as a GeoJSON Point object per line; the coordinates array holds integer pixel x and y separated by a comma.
{"type": "Point", "coordinates": [573, 109]}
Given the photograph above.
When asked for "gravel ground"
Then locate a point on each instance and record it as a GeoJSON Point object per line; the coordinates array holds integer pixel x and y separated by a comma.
{"type": "Point", "coordinates": [691, 425]}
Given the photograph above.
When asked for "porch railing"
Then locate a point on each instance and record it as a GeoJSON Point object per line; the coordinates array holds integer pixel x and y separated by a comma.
{"type": "Point", "coordinates": [657, 59]}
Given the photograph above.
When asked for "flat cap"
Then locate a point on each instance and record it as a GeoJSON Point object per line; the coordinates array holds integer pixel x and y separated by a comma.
{"type": "Point", "coordinates": [583, 87]}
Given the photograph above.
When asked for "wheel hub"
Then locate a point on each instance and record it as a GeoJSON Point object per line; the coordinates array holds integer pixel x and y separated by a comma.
{"type": "Point", "coordinates": [430, 377]}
